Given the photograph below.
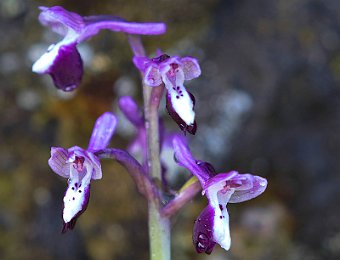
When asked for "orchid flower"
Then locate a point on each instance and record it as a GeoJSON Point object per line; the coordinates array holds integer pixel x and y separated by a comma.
{"type": "Point", "coordinates": [80, 166]}
{"type": "Point", "coordinates": [172, 71]}
{"type": "Point", "coordinates": [62, 60]}
{"type": "Point", "coordinates": [212, 225]}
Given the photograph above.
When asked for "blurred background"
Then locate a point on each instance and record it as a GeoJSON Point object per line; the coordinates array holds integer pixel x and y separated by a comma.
{"type": "Point", "coordinates": [267, 103]}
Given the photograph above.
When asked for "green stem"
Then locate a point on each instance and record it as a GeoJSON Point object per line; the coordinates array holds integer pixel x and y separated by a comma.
{"type": "Point", "coordinates": [159, 226]}
{"type": "Point", "coordinates": [159, 234]}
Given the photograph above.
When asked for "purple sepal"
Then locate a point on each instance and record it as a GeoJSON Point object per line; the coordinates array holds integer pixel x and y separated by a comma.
{"type": "Point", "coordinates": [102, 131]}
{"type": "Point", "coordinates": [251, 187]}
{"type": "Point", "coordinates": [96, 23]}
{"type": "Point", "coordinates": [244, 186]}
{"type": "Point", "coordinates": [67, 68]}
{"type": "Point", "coordinates": [58, 161]}
{"type": "Point", "coordinates": [152, 77]}
{"type": "Point", "coordinates": [71, 224]}
{"type": "Point", "coordinates": [203, 237]}
{"type": "Point", "coordinates": [191, 68]}
{"type": "Point", "coordinates": [60, 20]}
{"type": "Point", "coordinates": [180, 122]}
{"type": "Point", "coordinates": [184, 158]}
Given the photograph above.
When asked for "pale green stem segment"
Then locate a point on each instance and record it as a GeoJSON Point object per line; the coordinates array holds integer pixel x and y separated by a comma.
{"type": "Point", "coordinates": [159, 226]}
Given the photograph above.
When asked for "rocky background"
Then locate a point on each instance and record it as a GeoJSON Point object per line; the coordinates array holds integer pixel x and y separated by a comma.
{"type": "Point", "coordinates": [267, 103]}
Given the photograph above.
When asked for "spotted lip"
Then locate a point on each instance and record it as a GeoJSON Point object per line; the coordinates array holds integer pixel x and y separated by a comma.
{"type": "Point", "coordinates": [182, 125]}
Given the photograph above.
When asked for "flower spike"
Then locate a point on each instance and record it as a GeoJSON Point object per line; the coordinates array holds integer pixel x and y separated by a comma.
{"type": "Point", "coordinates": [80, 166]}
{"type": "Point", "coordinates": [212, 225]}
{"type": "Point", "coordinates": [62, 60]}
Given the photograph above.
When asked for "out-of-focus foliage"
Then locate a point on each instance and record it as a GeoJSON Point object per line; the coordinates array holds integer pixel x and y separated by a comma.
{"type": "Point", "coordinates": [267, 102]}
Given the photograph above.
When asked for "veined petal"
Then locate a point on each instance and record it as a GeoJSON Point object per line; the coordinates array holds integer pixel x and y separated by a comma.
{"type": "Point", "coordinates": [184, 158]}
{"type": "Point", "coordinates": [58, 161]}
{"type": "Point", "coordinates": [251, 187]}
{"type": "Point", "coordinates": [63, 63]}
{"type": "Point", "coordinates": [60, 20]}
{"type": "Point", "coordinates": [102, 131]}
{"type": "Point", "coordinates": [203, 237]}
{"type": "Point", "coordinates": [96, 23]}
{"type": "Point", "coordinates": [244, 186]}
{"type": "Point", "coordinates": [97, 169]}
{"type": "Point", "coordinates": [190, 67]}
{"type": "Point", "coordinates": [152, 76]}
{"type": "Point", "coordinates": [131, 111]}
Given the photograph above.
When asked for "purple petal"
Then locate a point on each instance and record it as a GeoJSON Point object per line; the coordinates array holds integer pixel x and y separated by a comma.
{"type": "Point", "coordinates": [60, 20]}
{"type": "Point", "coordinates": [95, 24]}
{"type": "Point", "coordinates": [102, 131]}
{"type": "Point", "coordinates": [76, 200]}
{"type": "Point", "coordinates": [58, 162]}
{"type": "Point", "coordinates": [190, 67]}
{"type": "Point", "coordinates": [203, 237]}
{"type": "Point", "coordinates": [256, 186]}
{"type": "Point", "coordinates": [173, 110]}
{"type": "Point", "coordinates": [243, 186]}
{"type": "Point", "coordinates": [185, 159]}
{"type": "Point", "coordinates": [131, 111]}
{"type": "Point", "coordinates": [96, 166]}
{"type": "Point", "coordinates": [152, 76]}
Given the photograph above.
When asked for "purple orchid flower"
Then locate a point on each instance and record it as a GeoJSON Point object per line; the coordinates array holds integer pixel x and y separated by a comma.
{"type": "Point", "coordinates": [80, 166]}
{"type": "Point", "coordinates": [212, 225]}
{"type": "Point", "coordinates": [172, 71]}
{"type": "Point", "coordinates": [62, 60]}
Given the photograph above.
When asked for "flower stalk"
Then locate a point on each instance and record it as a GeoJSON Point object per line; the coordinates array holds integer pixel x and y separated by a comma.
{"type": "Point", "coordinates": [159, 226]}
